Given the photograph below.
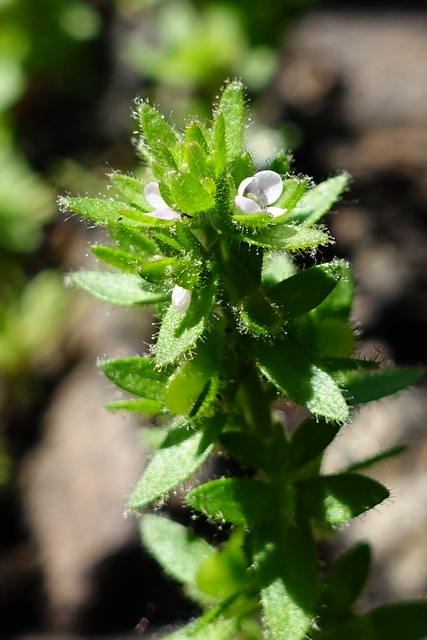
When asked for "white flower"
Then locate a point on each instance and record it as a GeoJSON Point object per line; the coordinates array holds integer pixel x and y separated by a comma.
{"type": "Point", "coordinates": [161, 209]}
{"type": "Point", "coordinates": [181, 298]}
{"type": "Point", "coordinates": [256, 193]}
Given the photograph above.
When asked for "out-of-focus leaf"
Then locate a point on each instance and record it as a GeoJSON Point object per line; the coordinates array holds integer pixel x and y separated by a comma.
{"type": "Point", "coordinates": [364, 387]}
{"type": "Point", "coordinates": [175, 547]}
{"type": "Point", "coordinates": [344, 582]}
{"type": "Point", "coordinates": [181, 454]}
{"type": "Point", "coordinates": [116, 288]}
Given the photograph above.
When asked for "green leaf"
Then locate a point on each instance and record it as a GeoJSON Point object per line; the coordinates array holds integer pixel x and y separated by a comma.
{"type": "Point", "coordinates": [335, 499]}
{"type": "Point", "coordinates": [116, 288]}
{"type": "Point", "coordinates": [122, 260]}
{"type": "Point", "coordinates": [190, 194]}
{"type": "Point", "coordinates": [281, 163]}
{"type": "Point", "coordinates": [284, 236]}
{"type": "Point", "coordinates": [235, 500]}
{"type": "Point", "coordinates": [197, 161]}
{"type": "Point", "coordinates": [252, 221]}
{"type": "Point", "coordinates": [339, 302]}
{"type": "Point", "coordinates": [180, 455]}
{"type": "Point", "coordinates": [136, 375]}
{"type": "Point", "coordinates": [285, 363]}
{"type": "Point", "coordinates": [158, 135]}
{"type": "Point", "coordinates": [180, 331]}
{"type": "Point", "coordinates": [132, 240]}
{"type": "Point", "coordinates": [232, 107]}
{"type": "Point", "coordinates": [105, 211]}
{"type": "Point", "coordinates": [277, 266]}
{"type": "Point", "coordinates": [286, 565]}
{"type": "Point", "coordinates": [175, 547]}
{"type": "Point", "coordinates": [194, 133]}
{"type": "Point", "coordinates": [310, 440]}
{"type": "Point", "coordinates": [170, 271]}
{"type": "Point", "coordinates": [319, 200]}
{"type": "Point", "coordinates": [247, 448]}
{"type": "Point", "coordinates": [293, 190]}
{"type": "Point", "coordinates": [218, 629]}
{"type": "Point", "coordinates": [141, 405]}
{"type": "Point", "coordinates": [364, 387]}
{"type": "Point", "coordinates": [399, 621]}
{"type": "Point", "coordinates": [306, 289]}
{"type": "Point", "coordinates": [344, 583]}
{"type": "Point", "coordinates": [220, 156]}
{"type": "Point", "coordinates": [243, 168]}
{"type": "Point", "coordinates": [185, 386]}
{"type": "Point", "coordinates": [130, 189]}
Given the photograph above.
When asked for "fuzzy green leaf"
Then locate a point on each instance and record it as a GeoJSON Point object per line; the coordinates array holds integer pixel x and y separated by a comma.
{"type": "Point", "coordinates": [286, 566]}
{"type": "Point", "coordinates": [122, 260]}
{"type": "Point", "coordinates": [364, 387]}
{"type": "Point", "coordinates": [232, 107]}
{"type": "Point", "coordinates": [339, 302]}
{"type": "Point", "coordinates": [310, 440]}
{"type": "Point", "coordinates": [306, 289]}
{"type": "Point", "coordinates": [180, 331]}
{"type": "Point", "coordinates": [130, 189]}
{"type": "Point", "coordinates": [116, 288]}
{"type": "Point", "coordinates": [175, 547]}
{"type": "Point", "coordinates": [220, 156]}
{"type": "Point", "coordinates": [218, 629]}
{"type": "Point", "coordinates": [158, 135]}
{"type": "Point", "coordinates": [293, 190]}
{"type": "Point", "coordinates": [181, 454]}
{"type": "Point", "coordinates": [235, 500]}
{"type": "Point", "coordinates": [136, 375]}
{"type": "Point", "coordinates": [318, 201]}
{"type": "Point", "coordinates": [284, 236]}
{"type": "Point", "coordinates": [190, 194]}
{"type": "Point", "coordinates": [132, 240]}
{"type": "Point", "coordinates": [104, 211]}
{"type": "Point", "coordinates": [285, 363]}
{"type": "Point", "coordinates": [335, 499]}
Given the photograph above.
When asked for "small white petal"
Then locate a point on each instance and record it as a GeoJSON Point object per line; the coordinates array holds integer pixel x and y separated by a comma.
{"type": "Point", "coordinates": [161, 210]}
{"type": "Point", "coordinates": [246, 205]}
{"type": "Point", "coordinates": [181, 298]}
{"type": "Point", "coordinates": [163, 214]}
{"type": "Point", "coordinates": [270, 185]}
{"type": "Point", "coordinates": [153, 197]}
{"type": "Point", "coordinates": [248, 185]}
{"type": "Point", "coordinates": [275, 211]}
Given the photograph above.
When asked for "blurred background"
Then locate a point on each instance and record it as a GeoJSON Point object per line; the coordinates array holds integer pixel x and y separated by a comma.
{"type": "Point", "coordinates": [344, 86]}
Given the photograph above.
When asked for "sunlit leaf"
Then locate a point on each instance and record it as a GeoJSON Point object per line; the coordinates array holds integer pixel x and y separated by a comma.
{"type": "Point", "coordinates": [181, 454]}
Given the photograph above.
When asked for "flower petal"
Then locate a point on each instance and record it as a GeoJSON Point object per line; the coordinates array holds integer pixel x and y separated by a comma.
{"type": "Point", "coordinates": [246, 205]}
{"type": "Point", "coordinates": [275, 211]}
{"type": "Point", "coordinates": [153, 197]}
{"type": "Point", "coordinates": [166, 213]}
{"type": "Point", "coordinates": [161, 210]}
{"type": "Point", "coordinates": [181, 298]}
{"type": "Point", "coordinates": [270, 185]}
{"type": "Point", "coordinates": [248, 185]}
